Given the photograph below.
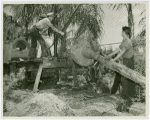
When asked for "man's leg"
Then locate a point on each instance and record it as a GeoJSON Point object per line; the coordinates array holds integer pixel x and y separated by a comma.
{"type": "Point", "coordinates": [116, 83]}
{"type": "Point", "coordinates": [125, 88]}
{"type": "Point", "coordinates": [43, 45]}
{"type": "Point", "coordinates": [128, 86]}
{"type": "Point", "coordinates": [32, 52]}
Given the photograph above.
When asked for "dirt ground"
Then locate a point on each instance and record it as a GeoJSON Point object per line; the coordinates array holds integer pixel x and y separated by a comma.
{"type": "Point", "coordinates": [61, 100]}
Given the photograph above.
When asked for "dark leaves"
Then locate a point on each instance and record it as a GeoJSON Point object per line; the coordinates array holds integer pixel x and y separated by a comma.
{"type": "Point", "coordinates": [87, 18]}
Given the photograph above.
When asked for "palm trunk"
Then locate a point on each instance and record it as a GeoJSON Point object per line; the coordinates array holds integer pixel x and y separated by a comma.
{"type": "Point", "coordinates": [63, 47]}
{"type": "Point", "coordinates": [130, 20]}
{"type": "Point", "coordinates": [56, 40]}
{"type": "Point", "coordinates": [55, 34]}
{"type": "Point", "coordinates": [26, 31]}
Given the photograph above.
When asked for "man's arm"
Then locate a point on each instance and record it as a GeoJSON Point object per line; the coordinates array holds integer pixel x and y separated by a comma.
{"type": "Point", "coordinates": [119, 55]}
{"type": "Point", "coordinates": [113, 53]}
{"type": "Point", "coordinates": [56, 30]}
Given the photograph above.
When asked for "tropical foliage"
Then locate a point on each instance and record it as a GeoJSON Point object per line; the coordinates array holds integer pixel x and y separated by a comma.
{"type": "Point", "coordinates": [143, 23]}
{"type": "Point", "coordinates": [11, 29]}
{"type": "Point", "coordinates": [88, 16]}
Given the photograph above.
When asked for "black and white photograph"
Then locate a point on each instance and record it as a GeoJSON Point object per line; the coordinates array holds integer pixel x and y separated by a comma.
{"type": "Point", "coordinates": [73, 59]}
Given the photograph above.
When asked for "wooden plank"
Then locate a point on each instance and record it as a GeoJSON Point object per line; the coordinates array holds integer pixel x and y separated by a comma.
{"type": "Point", "coordinates": [57, 63]}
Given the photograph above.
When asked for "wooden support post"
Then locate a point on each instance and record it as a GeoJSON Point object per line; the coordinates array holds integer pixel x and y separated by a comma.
{"type": "Point", "coordinates": [38, 76]}
{"type": "Point", "coordinates": [25, 80]}
{"type": "Point", "coordinates": [74, 72]}
{"type": "Point", "coordinates": [12, 70]}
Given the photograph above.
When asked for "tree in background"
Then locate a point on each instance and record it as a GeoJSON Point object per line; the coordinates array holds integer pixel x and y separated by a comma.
{"type": "Point", "coordinates": [143, 23]}
{"type": "Point", "coordinates": [129, 8]}
{"type": "Point", "coordinates": [11, 29]}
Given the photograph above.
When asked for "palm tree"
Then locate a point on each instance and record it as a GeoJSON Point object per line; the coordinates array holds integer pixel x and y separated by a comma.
{"type": "Point", "coordinates": [129, 8]}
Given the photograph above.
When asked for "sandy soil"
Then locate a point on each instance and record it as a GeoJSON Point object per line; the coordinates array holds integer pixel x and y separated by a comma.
{"type": "Point", "coordinates": [61, 100]}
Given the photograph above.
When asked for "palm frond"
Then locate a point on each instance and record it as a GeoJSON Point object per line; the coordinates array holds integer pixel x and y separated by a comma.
{"type": "Point", "coordinates": [116, 6]}
{"type": "Point", "coordinates": [90, 17]}
{"type": "Point", "coordinates": [143, 33]}
{"type": "Point", "coordinates": [142, 23]}
{"type": "Point", "coordinates": [81, 29]}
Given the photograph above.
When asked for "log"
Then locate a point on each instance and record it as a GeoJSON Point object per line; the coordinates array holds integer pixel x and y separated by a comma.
{"type": "Point", "coordinates": [127, 72]}
{"type": "Point", "coordinates": [121, 69]}
{"type": "Point", "coordinates": [74, 72]}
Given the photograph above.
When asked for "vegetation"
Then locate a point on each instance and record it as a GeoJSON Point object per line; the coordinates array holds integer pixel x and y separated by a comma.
{"type": "Point", "coordinates": [143, 23]}
{"type": "Point", "coordinates": [87, 16]}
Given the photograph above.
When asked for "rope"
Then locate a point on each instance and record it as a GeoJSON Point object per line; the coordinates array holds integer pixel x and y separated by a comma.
{"type": "Point", "coordinates": [137, 43]}
{"type": "Point", "coordinates": [110, 44]}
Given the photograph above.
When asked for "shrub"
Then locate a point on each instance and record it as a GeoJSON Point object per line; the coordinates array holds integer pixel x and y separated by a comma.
{"type": "Point", "coordinates": [11, 82]}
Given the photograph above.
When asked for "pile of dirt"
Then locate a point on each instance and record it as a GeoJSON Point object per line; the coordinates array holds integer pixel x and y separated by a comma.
{"type": "Point", "coordinates": [41, 104]}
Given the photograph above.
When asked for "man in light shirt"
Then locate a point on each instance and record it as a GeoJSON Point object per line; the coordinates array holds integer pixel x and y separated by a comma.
{"type": "Point", "coordinates": [35, 33]}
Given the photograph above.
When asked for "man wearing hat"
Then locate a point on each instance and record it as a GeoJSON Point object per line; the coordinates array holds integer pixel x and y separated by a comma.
{"type": "Point", "coordinates": [41, 27]}
{"type": "Point", "coordinates": [42, 16]}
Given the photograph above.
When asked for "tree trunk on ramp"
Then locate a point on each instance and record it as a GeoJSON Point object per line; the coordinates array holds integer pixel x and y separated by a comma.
{"type": "Point", "coordinates": [84, 55]}
{"type": "Point", "coordinates": [121, 69]}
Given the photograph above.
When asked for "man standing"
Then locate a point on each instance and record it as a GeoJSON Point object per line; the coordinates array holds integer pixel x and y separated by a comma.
{"type": "Point", "coordinates": [35, 33]}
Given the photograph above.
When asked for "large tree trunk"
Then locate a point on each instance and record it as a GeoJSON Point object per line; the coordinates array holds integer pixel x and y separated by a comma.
{"type": "Point", "coordinates": [56, 39]}
{"type": "Point", "coordinates": [130, 20]}
{"type": "Point", "coordinates": [55, 35]}
{"type": "Point", "coordinates": [26, 31]}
